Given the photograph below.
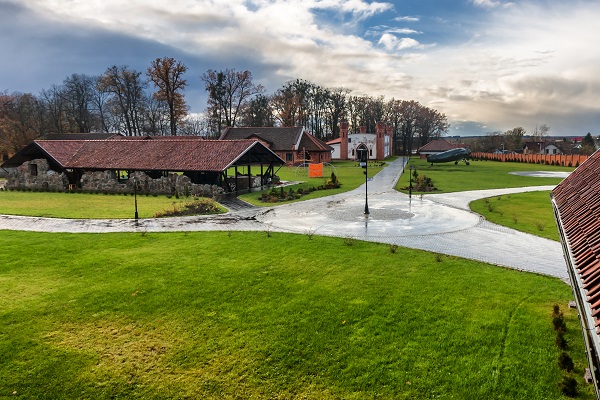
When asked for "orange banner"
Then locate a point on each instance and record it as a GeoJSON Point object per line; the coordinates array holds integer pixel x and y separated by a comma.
{"type": "Point", "coordinates": [315, 170]}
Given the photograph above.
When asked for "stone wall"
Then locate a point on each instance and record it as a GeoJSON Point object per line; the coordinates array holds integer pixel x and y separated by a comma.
{"type": "Point", "coordinates": [36, 175]}
{"type": "Point", "coordinates": [106, 181]}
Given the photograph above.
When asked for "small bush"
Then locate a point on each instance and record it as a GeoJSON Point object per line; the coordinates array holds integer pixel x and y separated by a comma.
{"type": "Point", "coordinates": [540, 226]}
{"type": "Point", "coordinates": [561, 342]}
{"type": "Point", "coordinates": [393, 248]}
{"type": "Point", "coordinates": [568, 386]}
{"type": "Point", "coordinates": [558, 322]}
{"type": "Point", "coordinates": [565, 361]}
{"type": "Point", "coordinates": [555, 310]}
{"type": "Point", "coordinates": [349, 241]}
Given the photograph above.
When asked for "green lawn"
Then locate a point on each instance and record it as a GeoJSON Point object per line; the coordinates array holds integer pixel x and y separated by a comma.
{"type": "Point", "coordinates": [81, 205]}
{"type": "Point", "coordinates": [529, 212]}
{"type": "Point", "coordinates": [448, 177]}
{"type": "Point", "coordinates": [220, 315]}
{"type": "Point", "coordinates": [349, 174]}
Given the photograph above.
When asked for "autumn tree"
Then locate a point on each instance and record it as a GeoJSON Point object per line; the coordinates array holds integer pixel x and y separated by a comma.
{"type": "Point", "coordinates": [167, 75]}
{"type": "Point", "coordinates": [431, 124]}
{"type": "Point", "coordinates": [127, 89]}
{"type": "Point", "coordinates": [227, 92]}
{"type": "Point", "coordinates": [21, 121]}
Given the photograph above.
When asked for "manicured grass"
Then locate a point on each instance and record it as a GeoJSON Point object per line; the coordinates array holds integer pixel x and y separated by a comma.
{"type": "Point", "coordinates": [448, 177]}
{"type": "Point", "coordinates": [527, 212]}
{"type": "Point", "coordinates": [349, 174]}
{"type": "Point", "coordinates": [220, 315]}
{"type": "Point", "coordinates": [82, 205]}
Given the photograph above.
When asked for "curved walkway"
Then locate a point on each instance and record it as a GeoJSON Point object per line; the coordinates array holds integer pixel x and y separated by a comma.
{"type": "Point", "coordinates": [437, 222]}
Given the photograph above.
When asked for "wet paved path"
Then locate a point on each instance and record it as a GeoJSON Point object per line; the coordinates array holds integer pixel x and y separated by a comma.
{"type": "Point", "coordinates": [437, 222]}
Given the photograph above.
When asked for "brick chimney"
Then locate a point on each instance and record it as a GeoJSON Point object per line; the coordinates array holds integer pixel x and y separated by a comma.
{"type": "Point", "coordinates": [380, 140]}
{"type": "Point", "coordinates": [344, 125]}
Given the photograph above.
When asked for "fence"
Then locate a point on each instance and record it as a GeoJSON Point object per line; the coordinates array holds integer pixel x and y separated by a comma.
{"type": "Point", "coordinates": [567, 160]}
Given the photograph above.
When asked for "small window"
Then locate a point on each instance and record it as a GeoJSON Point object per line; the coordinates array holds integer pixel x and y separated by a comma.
{"type": "Point", "coordinates": [352, 152]}
{"type": "Point", "coordinates": [370, 152]}
{"type": "Point", "coordinates": [289, 157]}
{"type": "Point", "coordinates": [33, 170]}
{"type": "Point", "coordinates": [349, 140]}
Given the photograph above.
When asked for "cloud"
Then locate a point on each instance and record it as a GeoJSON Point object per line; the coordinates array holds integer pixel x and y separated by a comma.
{"type": "Point", "coordinates": [491, 3]}
{"type": "Point", "coordinates": [392, 43]}
{"type": "Point", "coordinates": [505, 68]}
{"type": "Point", "coordinates": [407, 19]}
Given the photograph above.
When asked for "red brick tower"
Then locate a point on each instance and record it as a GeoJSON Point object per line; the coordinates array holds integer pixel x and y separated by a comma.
{"type": "Point", "coordinates": [380, 140]}
{"type": "Point", "coordinates": [344, 126]}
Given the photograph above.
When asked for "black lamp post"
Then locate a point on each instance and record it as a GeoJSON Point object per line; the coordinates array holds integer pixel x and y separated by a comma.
{"type": "Point", "coordinates": [135, 197]}
{"type": "Point", "coordinates": [364, 158]}
{"type": "Point", "coordinates": [410, 170]}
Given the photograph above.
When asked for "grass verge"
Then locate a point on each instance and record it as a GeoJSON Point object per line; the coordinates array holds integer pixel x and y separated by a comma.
{"type": "Point", "coordinates": [83, 205]}
{"type": "Point", "coordinates": [529, 212]}
{"type": "Point", "coordinates": [221, 315]}
{"type": "Point", "coordinates": [479, 175]}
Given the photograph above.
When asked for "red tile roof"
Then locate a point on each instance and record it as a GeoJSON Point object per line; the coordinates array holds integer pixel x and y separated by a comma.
{"type": "Point", "coordinates": [280, 138]}
{"type": "Point", "coordinates": [162, 155]}
{"type": "Point", "coordinates": [576, 202]}
{"type": "Point", "coordinates": [439, 145]}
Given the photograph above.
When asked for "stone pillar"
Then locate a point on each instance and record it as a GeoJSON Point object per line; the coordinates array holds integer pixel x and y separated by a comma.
{"type": "Point", "coordinates": [380, 140]}
{"type": "Point", "coordinates": [344, 125]}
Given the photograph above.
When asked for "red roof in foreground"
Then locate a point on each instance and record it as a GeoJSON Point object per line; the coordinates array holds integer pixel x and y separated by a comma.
{"type": "Point", "coordinates": [577, 199]}
{"type": "Point", "coordinates": [576, 202]}
{"type": "Point", "coordinates": [439, 145]}
{"type": "Point", "coordinates": [165, 155]}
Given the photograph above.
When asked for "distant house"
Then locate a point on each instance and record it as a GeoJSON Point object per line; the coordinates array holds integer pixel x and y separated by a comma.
{"type": "Point", "coordinates": [437, 146]}
{"type": "Point", "coordinates": [292, 144]}
{"type": "Point", "coordinates": [159, 165]}
{"type": "Point", "coordinates": [538, 147]}
{"type": "Point", "coordinates": [349, 145]}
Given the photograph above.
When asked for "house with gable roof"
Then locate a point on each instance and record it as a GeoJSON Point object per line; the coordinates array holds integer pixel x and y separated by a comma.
{"type": "Point", "coordinates": [292, 144]}
{"type": "Point", "coordinates": [155, 164]}
{"type": "Point", "coordinates": [437, 146]}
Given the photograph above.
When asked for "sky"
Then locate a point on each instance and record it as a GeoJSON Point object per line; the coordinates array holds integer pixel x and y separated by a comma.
{"type": "Point", "coordinates": [488, 65]}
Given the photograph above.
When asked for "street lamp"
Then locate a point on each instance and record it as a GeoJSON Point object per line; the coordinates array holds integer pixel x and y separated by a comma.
{"type": "Point", "coordinates": [364, 158]}
{"type": "Point", "coordinates": [135, 197]}
{"type": "Point", "coordinates": [410, 168]}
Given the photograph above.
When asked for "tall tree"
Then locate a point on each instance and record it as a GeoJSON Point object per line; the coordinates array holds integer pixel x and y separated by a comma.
{"type": "Point", "coordinates": [513, 138]}
{"type": "Point", "coordinates": [258, 112]}
{"type": "Point", "coordinates": [227, 91]}
{"type": "Point", "coordinates": [167, 75]}
{"type": "Point", "coordinates": [21, 121]}
{"type": "Point", "coordinates": [431, 124]}
{"type": "Point", "coordinates": [588, 145]}
{"type": "Point", "coordinates": [127, 87]}
{"type": "Point", "coordinates": [78, 94]}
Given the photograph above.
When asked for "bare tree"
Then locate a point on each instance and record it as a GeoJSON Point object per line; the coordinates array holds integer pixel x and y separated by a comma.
{"type": "Point", "coordinates": [228, 90]}
{"type": "Point", "coordinates": [167, 75]}
{"type": "Point", "coordinates": [127, 88]}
